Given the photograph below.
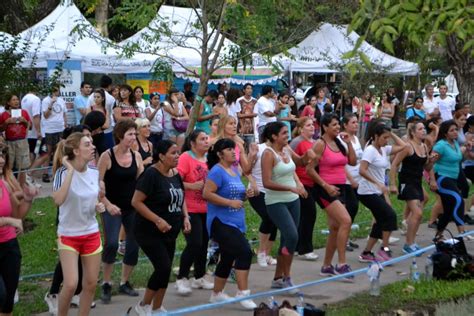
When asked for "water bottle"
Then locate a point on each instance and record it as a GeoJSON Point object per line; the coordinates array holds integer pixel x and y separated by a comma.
{"type": "Point", "coordinates": [355, 227]}
{"type": "Point", "coordinates": [414, 273]}
{"type": "Point", "coordinates": [429, 269]}
{"type": "Point", "coordinates": [374, 278]}
{"type": "Point", "coordinates": [272, 303]}
{"type": "Point", "coordinates": [325, 231]}
{"type": "Point", "coordinates": [300, 306]}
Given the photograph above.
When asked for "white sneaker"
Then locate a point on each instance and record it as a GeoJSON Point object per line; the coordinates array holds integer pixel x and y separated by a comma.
{"type": "Point", "coordinates": [218, 297]}
{"type": "Point", "coordinates": [393, 240]}
{"type": "Point", "coordinates": [271, 261]}
{"type": "Point", "coordinates": [143, 310]}
{"type": "Point", "coordinates": [75, 301]}
{"type": "Point", "coordinates": [469, 238]}
{"type": "Point", "coordinates": [52, 301]}
{"type": "Point", "coordinates": [310, 256]}
{"type": "Point", "coordinates": [247, 304]}
{"type": "Point", "coordinates": [182, 286]}
{"type": "Point", "coordinates": [404, 227]}
{"type": "Point", "coordinates": [16, 298]}
{"type": "Point", "coordinates": [201, 283]}
{"type": "Point", "coordinates": [262, 259]}
{"type": "Point", "coordinates": [160, 310]}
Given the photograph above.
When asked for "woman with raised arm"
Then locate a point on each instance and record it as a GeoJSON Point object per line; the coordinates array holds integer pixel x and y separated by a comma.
{"type": "Point", "coordinates": [174, 110]}
{"type": "Point", "coordinates": [143, 145]}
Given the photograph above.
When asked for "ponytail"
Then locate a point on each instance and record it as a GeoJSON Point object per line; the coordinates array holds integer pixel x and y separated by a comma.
{"type": "Point", "coordinates": [212, 155]}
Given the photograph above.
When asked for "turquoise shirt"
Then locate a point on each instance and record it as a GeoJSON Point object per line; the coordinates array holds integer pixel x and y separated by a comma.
{"type": "Point", "coordinates": [449, 163]}
{"type": "Point", "coordinates": [285, 112]}
{"type": "Point", "coordinates": [205, 125]}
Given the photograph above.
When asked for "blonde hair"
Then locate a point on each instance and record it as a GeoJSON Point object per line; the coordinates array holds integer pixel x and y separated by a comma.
{"type": "Point", "coordinates": [299, 125]}
{"type": "Point", "coordinates": [221, 126]}
{"type": "Point", "coordinates": [66, 148]}
{"type": "Point", "coordinates": [141, 122]}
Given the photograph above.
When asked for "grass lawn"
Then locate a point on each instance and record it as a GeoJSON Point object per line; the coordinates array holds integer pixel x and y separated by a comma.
{"type": "Point", "coordinates": [39, 251]}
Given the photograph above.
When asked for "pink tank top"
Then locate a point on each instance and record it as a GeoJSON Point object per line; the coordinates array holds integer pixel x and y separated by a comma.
{"type": "Point", "coordinates": [331, 166]}
{"type": "Point", "coordinates": [6, 232]}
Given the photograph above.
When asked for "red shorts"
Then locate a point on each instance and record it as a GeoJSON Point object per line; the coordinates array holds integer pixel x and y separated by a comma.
{"type": "Point", "coordinates": [86, 245]}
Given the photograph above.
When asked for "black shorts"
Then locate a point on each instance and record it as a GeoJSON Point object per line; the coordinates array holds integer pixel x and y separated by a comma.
{"type": "Point", "coordinates": [410, 191]}
{"type": "Point", "coordinates": [32, 144]}
{"type": "Point", "coordinates": [324, 199]}
{"type": "Point", "coordinates": [469, 172]}
{"type": "Point", "coordinates": [52, 139]}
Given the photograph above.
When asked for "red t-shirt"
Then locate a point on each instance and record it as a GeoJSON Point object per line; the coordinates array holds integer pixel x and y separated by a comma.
{"type": "Point", "coordinates": [309, 112]}
{"type": "Point", "coordinates": [15, 131]}
{"type": "Point", "coordinates": [192, 170]}
{"type": "Point", "coordinates": [301, 148]}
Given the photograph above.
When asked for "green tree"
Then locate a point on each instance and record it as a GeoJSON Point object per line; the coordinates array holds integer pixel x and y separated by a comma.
{"type": "Point", "coordinates": [425, 24]}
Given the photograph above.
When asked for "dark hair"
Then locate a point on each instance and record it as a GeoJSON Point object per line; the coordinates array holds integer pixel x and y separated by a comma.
{"type": "Point", "coordinates": [136, 88]}
{"type": "Point", "coordinates": [105, 81]}
{"type": "Point", "coordinates": [272, 128]}
{"type": "Point", "coordinates": [283, 93]}
{"type": "Point", "coordinates": [444, 128]}
{"type": "Point", "coordinates": [346, 118]}
{"type": "Point", "coordinates": [418, 97]}
{"type": "Point", "coordinates": [85, 83]}
{"type": "Point", "coordinates": [121, 127]}
{"type": "Point", "coordinates": [213, 94]}
{"type": "Point", "coordinates": [232, 95]}
{"type": "Point", "coordinates": [191, 138]}
{"type": "Point", "coordinates": [219, 146]}
{"type": "Point", "coordinates": [161, 148]}
{"type": "Point", "coordinates": [173, 90]}
{"type": "Point", "coordinates": [188, 84]}
{"type": "Point", "coordinates": [469, 122]}
{"type": "Point", "coordinates": [8, 99]}
{"type": "Point", "coordinates": [246, 85]}
{"type": "Point", "coordinates": [94, 119]}
{"type": "Point", "coordinates": [377, 129]}
{"type": "Point", "coordinates": [102, 94]}
{"type": "Point", "coordinates": [327, 108]}
{"type": "Point", "coordinates": [75, 129]}
{"type": "Point", "coordinates": [412, 119]}
{"type": "Point", "coordinates": [326, 119]}
{"type": "Point", "coordinates": [154, 94]}
{"type": "Point", "coordinates": [131, 97]}
{"type": "Point", "coordinates": [431, 120]}
{"type": "Point", "coordinates": [266, 89]}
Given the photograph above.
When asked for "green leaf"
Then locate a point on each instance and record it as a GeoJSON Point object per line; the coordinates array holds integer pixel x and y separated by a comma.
{"type": "Point", "coordinates": [365, 59]}
{"type": "Point", "coordinates": [386, 21]}
{"type": "Point", "coordinates": [378, 33]}
{"type": "Point", "coordinates": [388, 43]}
{"type": "Point", "coordinates": [393, 11]}
{"type": "Point", "coordinates": [408, 6]}
{"type": "Point", "coordinates": [401, 23]}
{"type": "Point", "coordinates": [374, 26]}
{"type": "Point", "coordinates": [461, 33]}
{"type": "Point", "coordinates": [390, 29]}
{"type": "Point", "coordinates": [348, 55]}
{"type": "Point", "coordinates": [386, 4]}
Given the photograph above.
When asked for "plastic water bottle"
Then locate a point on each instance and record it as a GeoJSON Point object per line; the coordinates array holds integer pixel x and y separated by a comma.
{"type": "Point", "coordinates": [300, 306]}
{"type": "Point", "coordinates": [374, 278]}
{"type": "Point", "coordinates": [355, 227]}
{"type": "Point", "coordinates": [429, 269]}
{"type": "Point", "coordinates": [414, 273]}
{"type": "Point", "coordinates": [272, 303]}
{"type": "Point", "coordinates": [325, 231]}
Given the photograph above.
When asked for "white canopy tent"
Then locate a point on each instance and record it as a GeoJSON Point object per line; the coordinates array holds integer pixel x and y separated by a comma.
{"type": "Point", "coordinates": [53, 39]}
{"type": "Point", "coordinates": [324, 48]}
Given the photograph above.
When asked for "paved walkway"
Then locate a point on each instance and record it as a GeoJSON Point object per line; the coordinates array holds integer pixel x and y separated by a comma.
{"type": "Point", "coordinates": [302, 271]}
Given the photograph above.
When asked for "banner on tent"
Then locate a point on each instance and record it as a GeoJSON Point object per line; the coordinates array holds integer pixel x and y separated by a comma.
{"type": "Point", "coordinates": [70, 81]}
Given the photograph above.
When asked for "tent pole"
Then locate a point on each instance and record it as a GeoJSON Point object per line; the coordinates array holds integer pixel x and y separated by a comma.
{"type": "Point", "coordinates": [290, 76]}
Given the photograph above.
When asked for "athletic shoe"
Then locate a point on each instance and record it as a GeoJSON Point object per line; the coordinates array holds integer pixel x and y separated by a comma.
{"type": "Point", "coordinates": [201, 283]}
{"type": "Point", "coordinates": [393, 240]}
{"type": "Point", "coordinates": [404, 227]}
{"type": "Point", "coordinates": [349, 248]}
{"type": "Point", "coordinates": [410, 248]}
{"type": "Point", "coordinates": [106, 296]}
{"type": "Point", "coordinates": [182, 287]}
{"type": "Point", "coordinates": [16, 297]}
{"type": "Point", "coordinates": [343, 269]}
{"type": "Point", "coordinates": [121, 247]}
{"type": "Point", "coordinates": [367, 257]}
{"type": "Point", "coordinates": [218, 297]}
{"type": "Point", "coordinates": [310, 256]}
{"type": "Point", "coordinates": [288, 283]}
{"type": "Point", "coordinates": [247, 304]}
{"type": "Point", "coordinates": [143, 310]}
{"type": "Point", "coordinates": [278, 283]}
{"type": "Point", "coordinates": [52, 301]}
{"type": "Point", "coordinates": [433, 225]}
{"type": "Point", "coordinates": [127, 289]}
{"type": "Point", "coordinates": [262, 259]}
{"type": "Point", "coordinates": [159, 311]}
{"type": "Point", "coordinates": [328, 271]}
{"type": "Point", "coordinates": [271, 261]}
{"type": "Point", "coordinates": [468, 238]}
{"type": "Point", "coordinates": [76, 300]}
{"type": "Point", "coordinates": [353, 245]}
{"type": "Point", "coordinates": [384, 254]}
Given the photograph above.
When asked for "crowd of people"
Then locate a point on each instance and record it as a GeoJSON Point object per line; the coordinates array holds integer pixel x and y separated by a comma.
{"type": "Point", "coordinates": [129, 162]}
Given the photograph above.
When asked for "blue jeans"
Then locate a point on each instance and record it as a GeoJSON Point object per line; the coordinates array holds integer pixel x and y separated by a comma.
{"type": "Point", "coordinates": [286, 217]}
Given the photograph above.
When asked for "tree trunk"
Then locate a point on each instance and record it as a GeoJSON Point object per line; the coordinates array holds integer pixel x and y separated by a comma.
{"type": "Point", "coordinates": [463, 69]}
{"type": "Point", "coordinates": [101, 16]}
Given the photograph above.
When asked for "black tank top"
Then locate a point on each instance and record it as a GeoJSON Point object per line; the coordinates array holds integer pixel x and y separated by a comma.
{"type": "Point", "coordinates": [412, 168]}
{"type": "Point", "coordinates": [120, 182]}
{"type": "Point", "coordinates": [144, 154]}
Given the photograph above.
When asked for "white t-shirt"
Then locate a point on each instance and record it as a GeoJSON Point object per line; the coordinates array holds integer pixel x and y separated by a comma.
{"type": "Point", "coordinates": [446, 107]}
{"type": "Point", "coordinates": [354, 170]}
{"type": "Point", "coordinates": [257, 168]}
{"type": "Point", "coordinates": [109, 105]}
{"type": "Point", "coordinates": [265, 105]}
{"type": "Point", "coordinates": [429, 105]}
{"type": "Point", "coordinates": [378, 163]}
{"type": "Point", "coordinates": [156, 124]}
{"type": "Point", "coordinates": [233, 109]}
{"type": "Point", "coordinates": [55, 122]}
{"type": "Point", "coordinates": [31, 104]}
{"type": "Point", "coordinates": [77, 213]}
{"type": "Point", "coordinates": [142, 105]}
{"type": "Point", "coordinates": [168, 118]}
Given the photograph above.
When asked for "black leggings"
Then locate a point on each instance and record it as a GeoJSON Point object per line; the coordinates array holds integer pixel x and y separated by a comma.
{"type": "Point", "coordinates": [234, 248]}
{"type": "Point", "coordinates": [385, 216]}
{"type": "Point", "coordinates": [10, 262]}
{"type": "Point", "coordinates": [266, 225]}
{"type": "Point", "coordinates": [352, 202]}
{"type": "Point", "coordinates": [159, 248]}
{"type": "Point", "coordinates": [196, 247]}
{"type": "Point", "coordinates": [453, 203]}
{"type": "Point", "coordinates": [58, 279]}
{"type": "Point", "coordinates": [307, 221]}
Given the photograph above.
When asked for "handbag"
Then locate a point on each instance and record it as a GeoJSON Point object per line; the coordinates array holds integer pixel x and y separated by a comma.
{"type": "Point", "coordinates": [265, 310]}
{"type": "Point", "coordinates": [451, 259]}
{"type": "Point", "coordinates": [180, 125]}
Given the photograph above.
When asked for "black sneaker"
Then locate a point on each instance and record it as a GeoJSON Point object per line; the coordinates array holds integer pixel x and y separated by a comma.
{"type": "Point", "coordinates": [46, 178]}
{"type": "Point", "coordinates": [349, 248]}
{"type": "Point", "coordinates": [353, 245]}
{"type": "Point", "coordinates": [106, 296]}
{"type": "Point", "coordinates": [127, 289]}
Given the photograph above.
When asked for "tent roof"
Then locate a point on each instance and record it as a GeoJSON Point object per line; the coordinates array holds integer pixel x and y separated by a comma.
{"type": "Point", "coordinates": [326, 46]}
{"type": "Point", "coordinates": [54, 40]}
